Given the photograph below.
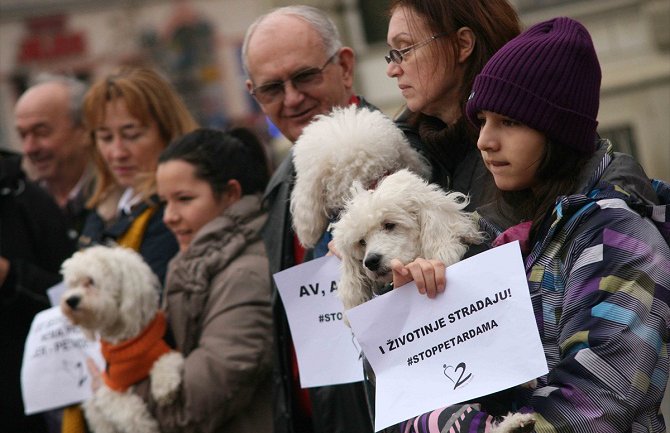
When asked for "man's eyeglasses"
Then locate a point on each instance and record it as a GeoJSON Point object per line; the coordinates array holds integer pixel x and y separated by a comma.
{"type": "Point", "coordinates": [396, 56]}
{"type": "Point", "coordinates": [301, 81]}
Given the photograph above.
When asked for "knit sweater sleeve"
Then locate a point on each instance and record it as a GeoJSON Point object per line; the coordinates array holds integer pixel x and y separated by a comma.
{"type": "Point", "coordinates": [604, 318]}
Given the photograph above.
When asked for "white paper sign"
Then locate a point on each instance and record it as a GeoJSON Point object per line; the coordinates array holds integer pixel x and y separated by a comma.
{"type": "Point", "coordinates": [327, 352]}
{"type": "Point", "coordinates": [55, 292]}
{"type": "Point", "coordinates": [54, 372]}
{"type": "Point", "coordinates": [476, 338]}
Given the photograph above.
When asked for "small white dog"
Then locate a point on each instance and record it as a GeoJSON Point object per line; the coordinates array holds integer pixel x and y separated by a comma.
{"type": "Point", "coordinates": [404, 218]}
{"type": "Point", "coordinates": [112, 292]}
{"type": "Point", "coordinates": [350, 144]}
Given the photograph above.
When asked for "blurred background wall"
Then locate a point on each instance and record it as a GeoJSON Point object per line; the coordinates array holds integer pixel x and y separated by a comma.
{"type": "Point", "coordinates": [196, 43]}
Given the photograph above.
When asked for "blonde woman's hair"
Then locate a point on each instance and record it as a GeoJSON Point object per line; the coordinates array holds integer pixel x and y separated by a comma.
{"type": "Point", "coordinates": [148, 97]}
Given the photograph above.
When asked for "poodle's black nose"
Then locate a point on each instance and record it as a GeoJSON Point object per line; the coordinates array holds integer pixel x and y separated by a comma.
{"type": "Point", "coordinates": [73, 301]}
{"type": "Point", "coordinates": [372, 261]}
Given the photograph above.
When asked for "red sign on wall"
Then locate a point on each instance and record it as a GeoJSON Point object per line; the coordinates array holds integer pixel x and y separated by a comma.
{"type": "Point", "coordinates": [48, 39]}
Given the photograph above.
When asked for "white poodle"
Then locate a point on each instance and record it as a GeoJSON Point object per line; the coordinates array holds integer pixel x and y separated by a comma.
{"type": "Point", "coordinates": [350, 144]}
{"type": "Point", "coordinates": [404, 218]}
{"type": "Point", "coordinates": [112, 292]}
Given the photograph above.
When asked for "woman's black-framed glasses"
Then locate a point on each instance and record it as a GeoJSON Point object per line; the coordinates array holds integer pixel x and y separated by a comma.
{"type": "Point", "coordinates": [396, 56]}
{"type": "Point", "coordinates": [301, 81]}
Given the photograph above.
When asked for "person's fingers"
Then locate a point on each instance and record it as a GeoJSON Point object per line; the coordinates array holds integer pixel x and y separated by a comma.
{"type": "Point", "coordinates": [414, 269]}
{"type": "Point", "coordinates": [424, 276]}
{"type": "Point", "coordinates": [428, 276]}
{"type": "Point", "coordinates": [401, 275]}
{"type": "Point", "coordinates": [433, 274]}
{"type": "Point", "coordinates": [440, 275]}
{"type": "Point", "coordinates": [398, 266]}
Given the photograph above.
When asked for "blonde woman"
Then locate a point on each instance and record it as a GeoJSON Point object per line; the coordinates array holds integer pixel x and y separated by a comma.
{"type": "Point", "coordinates": [132, 115]}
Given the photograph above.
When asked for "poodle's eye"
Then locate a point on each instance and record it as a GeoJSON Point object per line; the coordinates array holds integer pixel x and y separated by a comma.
{"type": "Point", "coordinates": [362, 242]}
{"type": "Point", "coordinates": [389, 226]}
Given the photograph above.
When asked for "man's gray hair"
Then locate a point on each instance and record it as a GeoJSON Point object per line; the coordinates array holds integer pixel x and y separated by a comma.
{"type": "Point", "coordinates": [316, 18]}
{"type": "Point", "coordinates": [76, 90]}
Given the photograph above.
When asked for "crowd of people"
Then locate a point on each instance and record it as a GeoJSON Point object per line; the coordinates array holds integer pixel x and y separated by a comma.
{"type": "Point", "coordinates": [506, 116]}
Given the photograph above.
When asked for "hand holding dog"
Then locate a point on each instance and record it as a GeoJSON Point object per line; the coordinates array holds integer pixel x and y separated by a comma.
{"type": "Point", "coordinates": [428, 275]}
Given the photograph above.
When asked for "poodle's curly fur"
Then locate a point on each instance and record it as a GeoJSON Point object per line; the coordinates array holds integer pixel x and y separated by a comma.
{"type": "Point", "coordinates": [113, 293]}
{"type": "Point", "coordinates": [349, 144]}
{"type": "Point", "coordinates": [404, 218]}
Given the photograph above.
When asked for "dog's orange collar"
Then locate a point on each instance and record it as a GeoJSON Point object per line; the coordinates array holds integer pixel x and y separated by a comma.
{"type": "Point", "coordinates": [131, 360]}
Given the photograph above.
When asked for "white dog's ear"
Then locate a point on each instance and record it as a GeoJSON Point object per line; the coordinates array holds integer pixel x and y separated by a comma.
{"type": "Point", "coordinates": [354, 286]}
{"type": "Point", "coordinates": [446, 228]}
{"type": "Point", "coordinates": [415, 162]}
{"type": "Point", "coordinates": [308, 210]}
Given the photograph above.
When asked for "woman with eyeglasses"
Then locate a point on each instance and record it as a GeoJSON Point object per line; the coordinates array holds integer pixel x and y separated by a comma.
{"type": "Point", "coordinates": [593, 234]}
{"type": "Point", "coordinates": [437, 49]}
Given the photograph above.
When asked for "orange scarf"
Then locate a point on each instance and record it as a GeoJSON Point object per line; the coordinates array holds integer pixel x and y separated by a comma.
{"type": "Point", "coordinates": [130, 361]}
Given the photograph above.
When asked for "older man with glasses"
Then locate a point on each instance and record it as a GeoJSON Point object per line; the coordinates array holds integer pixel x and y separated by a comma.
{"type": "Point", "coordinates": [297, 68]}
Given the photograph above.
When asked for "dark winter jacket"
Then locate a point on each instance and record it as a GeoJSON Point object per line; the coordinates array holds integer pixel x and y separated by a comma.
{"type": "Point", "coordinates": [33, 237]}
{"type": "Point", "coordinates": [157, 245]}
{"type": "Point", "coordinates": [337, 408]}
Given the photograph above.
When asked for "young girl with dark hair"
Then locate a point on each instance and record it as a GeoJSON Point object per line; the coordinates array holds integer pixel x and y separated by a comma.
{"type": "Point", "coordinates": [217, 291]}
{"type": "Point", "coordinates": [594, 236]}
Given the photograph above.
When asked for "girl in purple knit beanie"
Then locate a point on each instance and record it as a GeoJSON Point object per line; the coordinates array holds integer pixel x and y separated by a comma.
{"type": "Point", "coordinates": [594, 232]}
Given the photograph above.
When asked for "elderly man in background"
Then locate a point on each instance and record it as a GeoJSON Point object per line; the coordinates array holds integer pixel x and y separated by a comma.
{"type": "Point", "coordinates": [56, 147]}
{"type": "Point", "coordinates": [298, 68]}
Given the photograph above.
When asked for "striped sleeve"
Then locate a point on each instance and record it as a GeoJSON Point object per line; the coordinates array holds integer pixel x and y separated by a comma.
{"type": "Point", "coordinates": [601, 294]}
{"type": "Point", "coordinates": [611, 327]}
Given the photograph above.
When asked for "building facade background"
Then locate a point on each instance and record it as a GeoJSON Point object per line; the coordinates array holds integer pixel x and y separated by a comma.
{"type": "Point", "coordinates": [196, 43]}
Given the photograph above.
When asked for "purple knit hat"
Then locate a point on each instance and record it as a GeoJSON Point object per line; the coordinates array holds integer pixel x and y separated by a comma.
{"type": "Point", "coordinates": [548, 77]}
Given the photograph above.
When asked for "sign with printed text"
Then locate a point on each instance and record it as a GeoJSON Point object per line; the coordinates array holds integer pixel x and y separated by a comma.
{"type": "Point", "coordinates": [476, 338]}
{"type": "Point", "coordinates": [54, 372]}
{"type": "Point", "coordinates": [327, 352]}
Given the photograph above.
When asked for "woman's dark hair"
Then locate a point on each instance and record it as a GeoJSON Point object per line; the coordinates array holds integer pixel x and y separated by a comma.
{"type": "Point", "coordinates": [557, 175]}
{"type": "Point", "coordinates": [221, 156]}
